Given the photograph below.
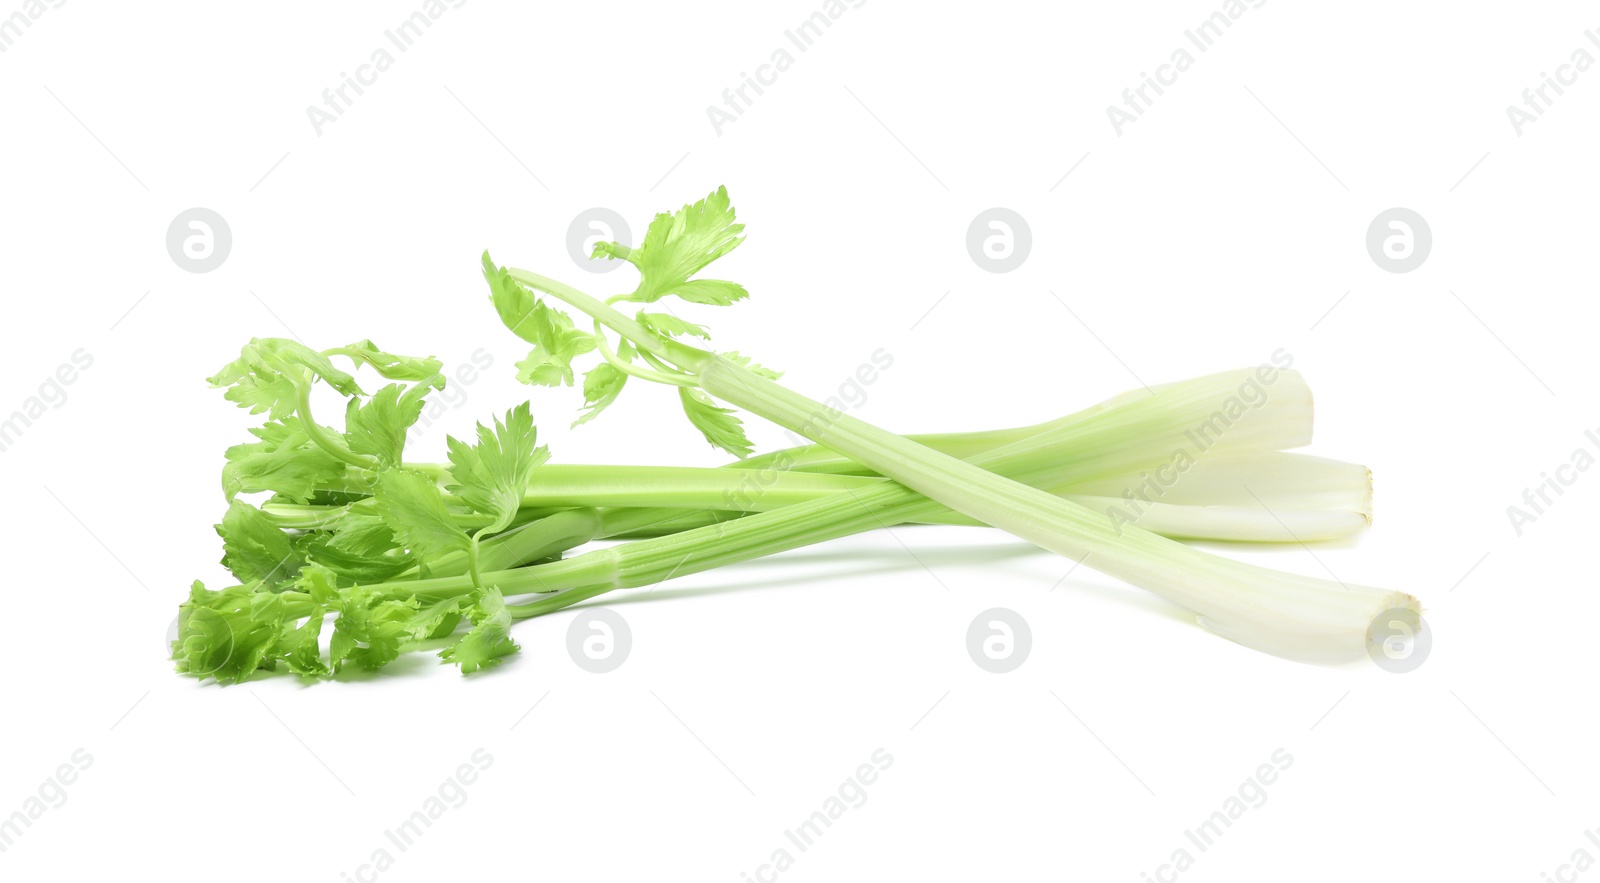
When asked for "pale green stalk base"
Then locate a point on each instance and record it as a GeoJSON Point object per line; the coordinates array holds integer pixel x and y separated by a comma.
{"type": "Point", "coordinates": [1283, 614]}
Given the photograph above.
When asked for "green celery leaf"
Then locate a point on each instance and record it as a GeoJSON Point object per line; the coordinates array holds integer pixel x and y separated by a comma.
{"type": "Point", "coordinates": [414, 509]}
{"type": "Point", "coordinates": [490, 638]}
{"type": "Point", "coordinates": [321, 584]}
{"type": "Point", "coordinates": [712, 292]}
{"type": "Point", "coordinates": [369, 630]}
{"type": "Point", "coordinates": [492, 475]}
{"type": "Point", "coordinates": [539, 370]}
{"type": "Point", "coordinates": [253, 548]}
{"type": "Point", "coordinates": [512, 300]}
{"type": "Point", "coordinates": [349, 565]}
{"type": "Point", "coordinates": [300, 647]}
{"type": "Point", "coordinates": [717, 424]}
{"type": "Point", "coordinates": [601, 386]}
{"type": "Point", "coordinates": [273, 393]}
{"type": "Point", "coordinates": [227, 635]}
{"type": "Point", "coordinates": [377, 427]}
{"type": "Point", "coordinates": [555, 340]}
{"type": "Point", "coordinates": [389, 365]}
{"type": "Point", "coordinates": [679, 245]}
{"type": "Point", "coordinates": [744, 362]}
{"type": "Point", "coordinates": [284, 461]}
{"type": "Point", "coordinates": [549, 363]}
{"type": "Point", "coordinates": [668, 325]}
{"type": "Point", "coordinates": [436, 620]}
{"type": "Point", "coordinates": [361, 533]}
{"type": "Point", "coordinates": [269, 372]}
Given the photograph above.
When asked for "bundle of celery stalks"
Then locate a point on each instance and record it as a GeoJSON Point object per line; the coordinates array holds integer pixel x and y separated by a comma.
{"type": "Point", "coordinates": [350, 554]}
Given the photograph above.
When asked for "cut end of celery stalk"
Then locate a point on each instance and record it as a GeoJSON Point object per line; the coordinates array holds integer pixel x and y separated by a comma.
{"type": "Point", "coordinates": [1310, 620]}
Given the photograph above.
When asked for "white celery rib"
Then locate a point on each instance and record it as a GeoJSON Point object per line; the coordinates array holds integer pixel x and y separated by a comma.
{"type": "Point", "coordinates": [1235, 523]}
{"type": "Point", "coordinates": [1273, 497]}
{"type": "Point", "coordinates": [1288, 615]}
{"type": "Point", "coordinates": [1250, 480]}
{"type": "Point", "coordinates": [1264, 497]}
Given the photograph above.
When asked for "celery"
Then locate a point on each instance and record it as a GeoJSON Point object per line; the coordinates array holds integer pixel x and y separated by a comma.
{"type": "Point", "coordinates": [396, 554]}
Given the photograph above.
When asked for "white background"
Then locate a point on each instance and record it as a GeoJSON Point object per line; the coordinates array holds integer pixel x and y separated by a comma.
{"type": "Point", "coordinates": [1223, 225]}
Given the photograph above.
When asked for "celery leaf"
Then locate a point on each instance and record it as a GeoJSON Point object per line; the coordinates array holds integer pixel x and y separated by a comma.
{"type": "Point", "coordinates": [717, 424]}
{"type": "Point", "coordinates": [492, 475]}
{"type": "Point", "coordinates": [601, 386]}
{"type": "Point", "coordinates": [679, 245]}
{"type": "Point", "coordinates": [490, 638]}
{"type": "Point", "coordinates": [412, 506]}
{"type": "Point", "coordinates": [377, 426]}
{"type": "Point", "coordinates": [253, 548]}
